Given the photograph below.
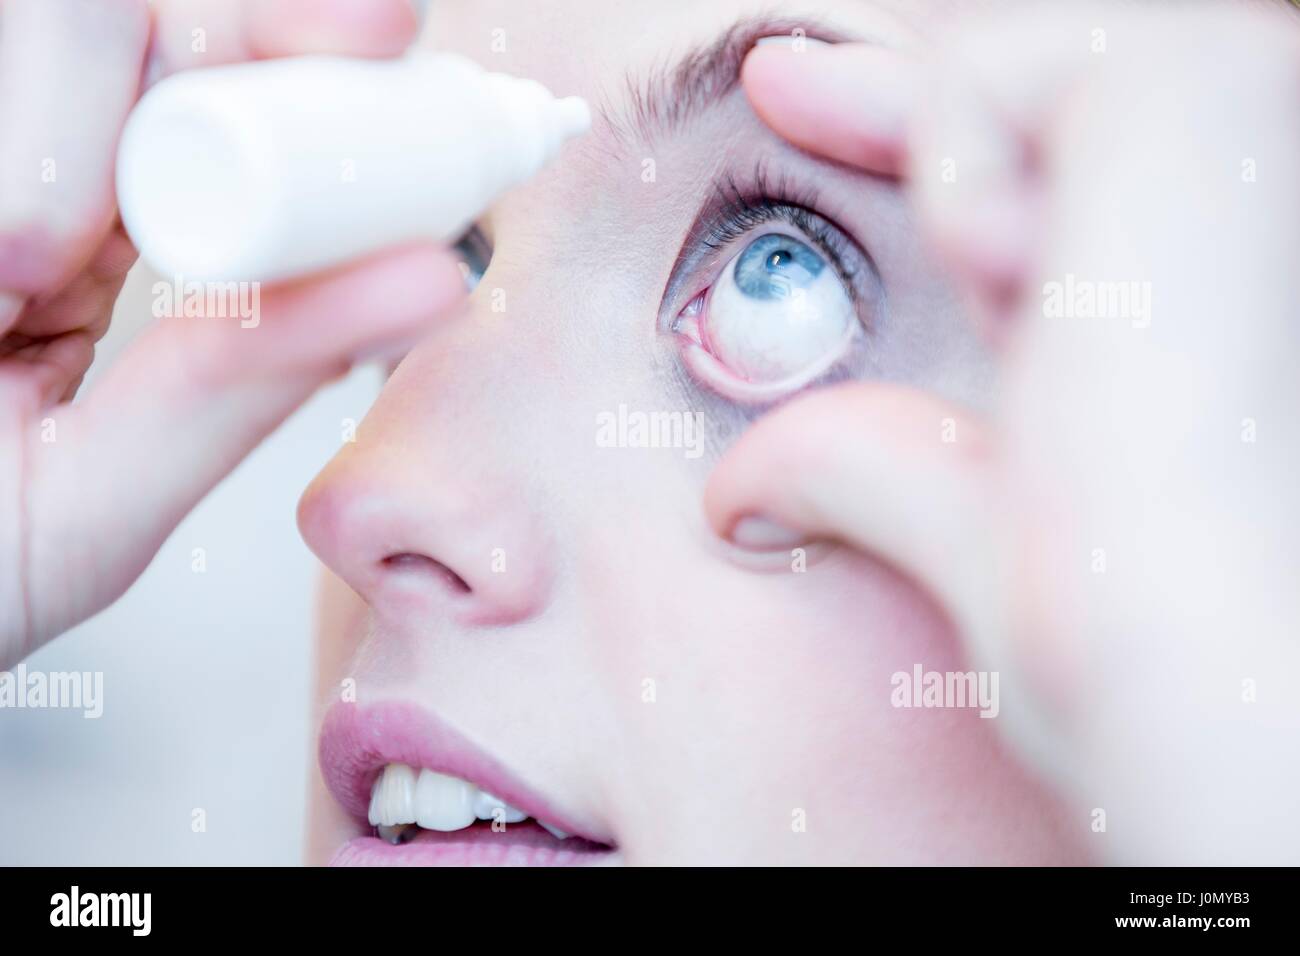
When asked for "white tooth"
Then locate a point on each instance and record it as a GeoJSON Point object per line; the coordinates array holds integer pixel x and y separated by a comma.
{"type": "Point", "coordinates": [373, 815]}
{"type": "Point", "coordinates": [486, 806]}
{"type": "Point", "coordinates": [444, 803]}
{"type": "Point", "coordinates": [553, 831]}
{"type": "Point", "coordinates": [397, 795]}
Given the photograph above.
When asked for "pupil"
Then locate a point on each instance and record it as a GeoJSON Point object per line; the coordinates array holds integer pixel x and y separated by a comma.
{"type": "Point", "coordinates": [772, 266]}
{"type": "Point", "coordinates": [778, 259]}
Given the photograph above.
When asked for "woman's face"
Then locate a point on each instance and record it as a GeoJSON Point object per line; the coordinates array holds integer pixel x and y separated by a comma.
{"type": "Point", "coordinates": [535, 602]}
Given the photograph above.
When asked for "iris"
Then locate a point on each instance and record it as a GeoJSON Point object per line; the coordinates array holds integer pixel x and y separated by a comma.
{"type": "Point", "coordinates": [774, 265]}
{"type": "Point", "coordinates": [777, 312]}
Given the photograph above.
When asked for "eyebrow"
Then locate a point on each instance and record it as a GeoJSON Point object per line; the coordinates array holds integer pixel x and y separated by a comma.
{"type": "Point", "coordinates": [660, 101]}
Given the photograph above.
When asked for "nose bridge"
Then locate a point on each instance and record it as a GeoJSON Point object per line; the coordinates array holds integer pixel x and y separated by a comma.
{"type": "Point", "coordinates": [439, 505]}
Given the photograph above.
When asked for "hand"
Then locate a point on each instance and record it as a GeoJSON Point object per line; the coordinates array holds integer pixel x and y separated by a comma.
{"type": "Point", "coordinates": [89, 491]}
{"type": "Point", "coordinates": [1121, 541]}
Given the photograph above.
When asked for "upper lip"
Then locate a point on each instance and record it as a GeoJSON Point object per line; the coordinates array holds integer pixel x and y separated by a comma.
{"type": "Point", "coordinates": [357, 742]}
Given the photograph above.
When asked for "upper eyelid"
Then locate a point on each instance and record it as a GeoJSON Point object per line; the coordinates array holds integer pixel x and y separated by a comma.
{"type": "Point", "coordinates": [806, 221]}
{"type": "Point", "coordinates": [691, 261]}
{"type": "Point", "coordinates": [767, 183]}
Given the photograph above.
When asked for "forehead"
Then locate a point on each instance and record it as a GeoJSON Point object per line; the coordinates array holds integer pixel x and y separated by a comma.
{"type": "Point", "coordinates": [588, 47]}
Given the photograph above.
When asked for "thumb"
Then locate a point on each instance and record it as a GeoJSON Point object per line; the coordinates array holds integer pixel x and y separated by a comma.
{"type": "Point", "coordinates": [906, 477]}
{"type": "Point", "coordinates": [884, 468]}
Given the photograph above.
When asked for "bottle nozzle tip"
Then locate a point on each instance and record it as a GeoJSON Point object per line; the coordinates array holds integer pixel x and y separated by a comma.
{"type": "Point", "coordinates": [574, 115]}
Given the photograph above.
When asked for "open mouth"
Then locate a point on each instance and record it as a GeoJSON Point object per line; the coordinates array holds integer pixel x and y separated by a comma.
{"type": "Point", "coordinates": [423, 795]}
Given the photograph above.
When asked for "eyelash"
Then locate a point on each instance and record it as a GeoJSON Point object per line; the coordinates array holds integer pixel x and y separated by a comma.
{"type": "Point", "coordinates": [741, 211]}
{"type": "Point", "coordinates": [738, 213]}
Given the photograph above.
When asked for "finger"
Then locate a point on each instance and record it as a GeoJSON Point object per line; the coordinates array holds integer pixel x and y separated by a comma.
{"type": "Point", "coordinates": [86, 302]}
{"type": "Point", "coordinates": [884, 468]}
{"type": "Point", "coordinates": [195, 33]}
{"type": "Point", "coordinates": [51, 368]}
{"type": "Point", "coordinates": [903, 476]}
{"type": "Point", "coordinates": [69, 72]}
{"type": "Point", "coordinates": [1014, 101]}
{"type": "Point", "coordinates": [377, 28]}
{"type": "Point", "coordinates": [188, 400]}
{"type": "Point", "coordinates": [990, 91]}
{"type": "Point", "coordinates": [884, 111]}
{"type": "Point", "coordinates": [52, 345]}
{"type": "Point", "coordinates": [310, 329]}
{"type": "Point", "coordinates": [850, 102]}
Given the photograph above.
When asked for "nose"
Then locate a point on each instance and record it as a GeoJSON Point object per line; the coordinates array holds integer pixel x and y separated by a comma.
{"type": "Point", "coordinates": [422, 515]}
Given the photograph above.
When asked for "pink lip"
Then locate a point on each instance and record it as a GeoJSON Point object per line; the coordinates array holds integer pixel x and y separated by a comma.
{"type": "Point", "coordinates": [357, 742]}
{"type": "Point", "coordinates": [523, 844]}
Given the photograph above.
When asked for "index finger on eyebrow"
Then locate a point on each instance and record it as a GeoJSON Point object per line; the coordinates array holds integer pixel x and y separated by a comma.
{"type": "Point", "coordinates": [851, 102]}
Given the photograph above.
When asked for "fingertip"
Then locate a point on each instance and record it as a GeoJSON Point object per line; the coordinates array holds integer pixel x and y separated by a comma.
{"type": "Point", "coordinates": [722, 497]}
{"type": "Point", "coordinates": [770, 77]}
{"type": "Point", "coordinates": [808, 464]}
{"type": "Point", "coordinates": [397, 290]}
{"type": "Point", "coordinates": [367, 28]}
{"type": "Point", "coordinates": [764, 472]}
{"type": "Point", "coordinates": [850, 102]}
{"type": "Point", "coordinates": [422, 280]}
{"type": "Point", "coordinates": [446, 277]}
{"type": "Point", "coordinates": [760, 66]}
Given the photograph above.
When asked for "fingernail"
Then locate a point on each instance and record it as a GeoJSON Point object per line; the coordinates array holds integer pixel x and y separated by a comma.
{"type": "Point", "coordinates": [760, 534]}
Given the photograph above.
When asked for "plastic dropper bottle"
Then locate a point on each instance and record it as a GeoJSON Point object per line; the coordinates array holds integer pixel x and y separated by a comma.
{"type": "Point", "coordinates": [269, 170]}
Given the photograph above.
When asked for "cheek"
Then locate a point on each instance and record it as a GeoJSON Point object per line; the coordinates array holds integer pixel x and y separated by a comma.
{"type": "Point", "coordinates": [771, 694]}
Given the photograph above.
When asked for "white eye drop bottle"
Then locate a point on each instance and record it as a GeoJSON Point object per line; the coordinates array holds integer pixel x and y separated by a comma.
{"type": "Point", "coordinates": [270, 170]}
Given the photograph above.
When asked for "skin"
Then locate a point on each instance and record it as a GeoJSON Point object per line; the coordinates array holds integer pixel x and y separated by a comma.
{"type": "Point", "coordinates": [1126, 441]}
{"type": "Point", "coordinates": [196, 395]}
{"type": "Point", "coordinates": [771, 688]}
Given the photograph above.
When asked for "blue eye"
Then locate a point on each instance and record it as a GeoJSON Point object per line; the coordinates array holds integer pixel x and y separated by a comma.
{"type": "Point", "coordinates": [777, 314]}
{"type": "Point", "coordinates": [773, 266]}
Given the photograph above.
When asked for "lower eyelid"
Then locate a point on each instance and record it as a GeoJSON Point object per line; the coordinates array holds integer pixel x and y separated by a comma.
{"type": "Point", "coordinates": [690, 328]}
{"type": "Point", "coordinates": [712, 374]}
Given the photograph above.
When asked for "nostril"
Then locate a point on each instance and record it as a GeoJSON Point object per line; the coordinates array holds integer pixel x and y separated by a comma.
{"type": "Point", "coordinates": [407, 563]}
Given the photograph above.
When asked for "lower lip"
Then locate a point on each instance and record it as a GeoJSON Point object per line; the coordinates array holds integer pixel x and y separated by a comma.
{"type": "Point", "coordinates": [520, 844]}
